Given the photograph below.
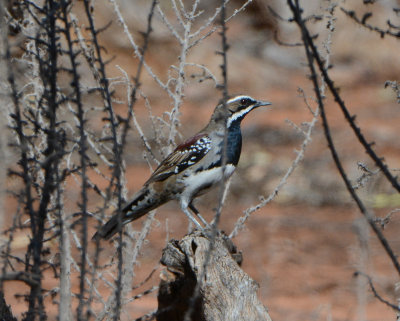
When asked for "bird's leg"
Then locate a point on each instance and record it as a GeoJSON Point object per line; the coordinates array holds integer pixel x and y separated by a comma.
{"type": "Point", "coordinates": [195, 211]}
{"type": "Point", "coordinates": [185, 210]}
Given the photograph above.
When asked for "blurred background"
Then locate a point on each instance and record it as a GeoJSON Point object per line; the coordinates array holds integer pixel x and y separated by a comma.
{"type": "Point", "coordinates": [304, 246]}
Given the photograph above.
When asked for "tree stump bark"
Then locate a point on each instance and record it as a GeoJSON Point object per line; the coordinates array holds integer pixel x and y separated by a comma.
{"type": "Point", "coordinates": [203, 281]}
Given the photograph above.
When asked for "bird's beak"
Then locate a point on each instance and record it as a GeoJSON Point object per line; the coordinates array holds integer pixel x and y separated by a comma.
{"type": "Point", "coordinates": [260, 103]}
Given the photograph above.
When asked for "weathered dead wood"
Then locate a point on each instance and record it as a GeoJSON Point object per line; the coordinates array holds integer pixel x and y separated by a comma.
{"type": "Point", "coordinates": [221, 292]}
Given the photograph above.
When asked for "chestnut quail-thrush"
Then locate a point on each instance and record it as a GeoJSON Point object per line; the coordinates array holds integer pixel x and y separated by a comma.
{"type": "Point", "coordinates": [192, 168]}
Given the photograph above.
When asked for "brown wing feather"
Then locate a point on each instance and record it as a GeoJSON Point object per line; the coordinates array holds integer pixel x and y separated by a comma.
{"type": "Point", "coordinates": [181, 158]}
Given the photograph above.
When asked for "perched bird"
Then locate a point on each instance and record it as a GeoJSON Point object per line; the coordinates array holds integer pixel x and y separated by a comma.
{"type": "Point", "coordinates": [192, 168]}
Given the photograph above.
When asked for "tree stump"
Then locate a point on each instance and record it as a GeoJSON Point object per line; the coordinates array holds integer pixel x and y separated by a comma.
{"type": "Point", "coordinates": [203, 281]}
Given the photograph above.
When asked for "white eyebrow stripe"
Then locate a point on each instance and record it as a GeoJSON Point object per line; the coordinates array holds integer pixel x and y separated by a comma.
{"type": "Point", "coordinates": [238, 98]}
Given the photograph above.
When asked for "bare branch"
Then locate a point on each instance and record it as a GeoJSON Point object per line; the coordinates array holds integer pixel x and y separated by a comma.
{"type": "Point", "coordinates": [313, 55]}
{"type": "Point", "coordinates": [375, 292]}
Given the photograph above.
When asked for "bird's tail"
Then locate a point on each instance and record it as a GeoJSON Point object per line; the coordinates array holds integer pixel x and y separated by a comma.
{"type": "Point", "coordinates": [141, 204]}
{"type": "Point", "coordinates": [109, 229]}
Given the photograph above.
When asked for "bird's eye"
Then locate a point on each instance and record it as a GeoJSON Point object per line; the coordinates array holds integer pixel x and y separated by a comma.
{"type": "Point", "coordinates": [243, 101]}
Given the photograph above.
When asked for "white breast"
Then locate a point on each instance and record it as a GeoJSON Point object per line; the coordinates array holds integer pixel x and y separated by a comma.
{"type": "Point", "coordinates": [195, 182]}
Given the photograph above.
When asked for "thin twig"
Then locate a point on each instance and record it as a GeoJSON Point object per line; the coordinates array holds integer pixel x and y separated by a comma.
{"type": "Point", "coordinates": [363, 22]}
{"type": "Point", "coordinates": [313, 55]}
{"type": "Point", "coordinates": [375, 292]}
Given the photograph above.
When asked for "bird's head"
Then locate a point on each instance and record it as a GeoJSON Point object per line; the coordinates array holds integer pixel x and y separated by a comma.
{"type": "Point", "coordinates": [236, 108]}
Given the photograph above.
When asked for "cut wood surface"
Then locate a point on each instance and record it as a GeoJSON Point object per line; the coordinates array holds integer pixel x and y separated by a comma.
{"type": "Point", "coordinates": [202, 280]}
